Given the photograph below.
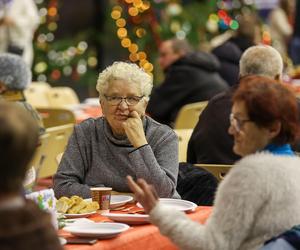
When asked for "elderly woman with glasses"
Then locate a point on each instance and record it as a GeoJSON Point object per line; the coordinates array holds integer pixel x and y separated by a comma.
{"type": "Point", "coordinates": [259, 197]}
{"type": "Point", "coordinates": [103, 151]}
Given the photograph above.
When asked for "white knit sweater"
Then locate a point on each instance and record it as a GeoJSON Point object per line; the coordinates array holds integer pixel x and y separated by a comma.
{"type": "Point", "coordinates": [258, 199]}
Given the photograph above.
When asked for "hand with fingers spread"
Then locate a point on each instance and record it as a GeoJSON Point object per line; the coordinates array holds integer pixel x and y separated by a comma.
{"type": "Point", "coordinates": [134, 130]}
{"type": "Point", "coordinates": [144, 193]}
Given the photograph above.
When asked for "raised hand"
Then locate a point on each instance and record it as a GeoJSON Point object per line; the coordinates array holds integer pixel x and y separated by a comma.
{"type": "Point", "coordinates": [144, 193]}
{"type": "Point", "coordinates": [134, 130]}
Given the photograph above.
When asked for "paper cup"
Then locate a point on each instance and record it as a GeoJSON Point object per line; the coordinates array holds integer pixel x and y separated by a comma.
{"type": "Point", "coordinates": [102, 196]}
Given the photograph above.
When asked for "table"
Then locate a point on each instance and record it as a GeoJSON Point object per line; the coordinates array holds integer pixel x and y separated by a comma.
{"type": "Point", "coordinates": [138, 237]}
{"type": "Point", "coordinates": [86, 112]}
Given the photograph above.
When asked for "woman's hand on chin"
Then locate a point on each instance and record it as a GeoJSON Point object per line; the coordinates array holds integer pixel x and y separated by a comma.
{"type": "Point", "coordinates": [134, 130]}
{"type": "Point", "coordinates": [144, 193]}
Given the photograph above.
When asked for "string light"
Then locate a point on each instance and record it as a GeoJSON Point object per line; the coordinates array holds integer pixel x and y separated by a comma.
{"type": "Point", "coordinates": [134, 9]}
{"type": "Point", "coordinates": [63, 58]}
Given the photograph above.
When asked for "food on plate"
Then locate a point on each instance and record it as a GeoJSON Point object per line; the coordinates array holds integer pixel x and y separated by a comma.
{"type": "Point", "coordinates": [90, 207]}
{"type": "Point", "coordinates": [75, 205]}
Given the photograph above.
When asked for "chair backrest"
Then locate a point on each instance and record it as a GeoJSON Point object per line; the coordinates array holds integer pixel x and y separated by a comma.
{"type": "Point", "coordinates": [218, 170]}
{"type": "Point", "coordinates": [56, 116]}
{"type": "Point", "coordinates": [36, 94]}
{"type": "Point", "coordinates": [183, 139]}
{"type": "Point", "coordinates": [57, 141]}
{"type": "Point", "coordinates": [188, 115]}
{"type": "Point", "coordinates": [62, 97]}
{"type": "Point", "coordinates": [40, 150]}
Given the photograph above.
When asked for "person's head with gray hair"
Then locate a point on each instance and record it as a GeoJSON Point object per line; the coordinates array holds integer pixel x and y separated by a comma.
{"type": "Point", "coordinates": [14, 73]}
{"type": "Point", "coordinates": [262, 60]}
{"type": "Point", "coordinates": [124, 90]}
{"type": "Point", "coordinates": [128, 72]}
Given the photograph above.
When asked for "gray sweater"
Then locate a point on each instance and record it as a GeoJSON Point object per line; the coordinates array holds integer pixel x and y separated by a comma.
{"type": "Point", "coordinates": [257, 200]}
{"type": "Point", "coordinates": [94, 157]}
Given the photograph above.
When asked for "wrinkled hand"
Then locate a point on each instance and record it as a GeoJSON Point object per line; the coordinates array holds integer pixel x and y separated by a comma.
{"type": "Point", "coordinates": [144, 193]}
{"type": "Point", "coordinates": [134, 130]}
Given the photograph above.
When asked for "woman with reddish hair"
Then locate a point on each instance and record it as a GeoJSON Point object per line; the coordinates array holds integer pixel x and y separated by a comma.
{"type": "Point", "coordinates": [259, 197]}
{"type": "Point", "coordinates": [264, 117]}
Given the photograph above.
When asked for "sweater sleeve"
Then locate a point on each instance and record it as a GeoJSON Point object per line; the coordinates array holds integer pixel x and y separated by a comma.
{"type": "Point", "coordinates": [235, 211]}
{"type": "Point", "coordinates": [70, 176]}
{"type": "Point", "coordinates": [159, 169]}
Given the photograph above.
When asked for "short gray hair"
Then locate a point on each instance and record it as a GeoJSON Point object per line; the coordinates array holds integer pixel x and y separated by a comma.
{"type": "Point", "coordinates": [128, 72]}
{"type": "Point", "coordinates": [14, 72]}
{"type": "Point", "coordinates": [261, 60]}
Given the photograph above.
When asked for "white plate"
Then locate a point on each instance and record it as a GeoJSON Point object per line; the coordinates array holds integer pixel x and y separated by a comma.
{"type": "Point", "coordinates": [176, 204]}
{"type": "Point", "coordinates": [117, 200]}
{"type": "Point", "coordinates": [98, 230]}
{"type": "Point", "coordinates": [131, 219]}
{"type": "Point", "coordinates": [62, 240]}
{"type": "Point", "coordinates": [79, 215]}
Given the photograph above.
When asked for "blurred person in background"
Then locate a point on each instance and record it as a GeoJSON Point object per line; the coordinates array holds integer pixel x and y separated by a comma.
{"type": "Point", "coordinates": [295, 42]}
{"type": "Point", "coordinates": [23, 225]}
{"type": "Point", "coordinates": [189, 77]}
{"type": "Point", "coordinates": [15, 76]}
{"type": "Point", "coordinates": [258, 198]}
{"type": "Point", "coordinates": [246, 35]}
{"type": "Point", "coordinates": [211, 129]}
{"type": "Point", "coordinates": [18, 21]}
{"type": "Point", "coordinates": [280, 25]}
{"type": "Point", "coordinates": [230, 51]}
{"type": "Point", "coordinates": [125, 141]}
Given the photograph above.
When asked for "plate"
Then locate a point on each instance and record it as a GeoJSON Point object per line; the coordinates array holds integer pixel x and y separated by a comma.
{"type": "Point", "coordinates": [117, 200]}
{"type": "Point", "coordinates": [131, 219]}
{"type": "Point", "coordinates": [176, 204]}
{"type": "Point", "coordinates": [69, 216]}
{"type": "Point", "coordinates": [62, 240]}
{"type": "Point", "coordinates": [97, 230]}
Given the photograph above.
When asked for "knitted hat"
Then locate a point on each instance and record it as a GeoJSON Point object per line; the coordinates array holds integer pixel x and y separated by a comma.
{"type": "Point", "coordinates": [14, 72]}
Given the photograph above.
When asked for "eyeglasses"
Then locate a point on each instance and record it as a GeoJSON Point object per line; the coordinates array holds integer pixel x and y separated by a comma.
{"type": "Point", "coordinates": [116, 100]}
{"type": "Point", "coordinates": [237, 123]}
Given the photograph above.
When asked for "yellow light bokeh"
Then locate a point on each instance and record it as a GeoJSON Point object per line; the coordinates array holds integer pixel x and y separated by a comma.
{"type": "Point", "coordinates": [121, 22]}
{"type": "Point", "coordinates": [142, 62]}
{"type": "Point", "coordinates": [122, 32]}
{"type": "Point", "coordinates": [146, 5]}
{"type": "Point", "coordinates": [140, 32]}
{"type": "Point", "coordinates": [133, 11]}
{"type": "Point", "coordinates": [133, 48]}
{"type": "Point", "coordinates": [142, 55]}
{"type": "Point", "coordinates": [52, 11]}
{"type": "Point", "coordinates": [116, 14]}
{"type": "Point", "coordinates": [118, 8]}
{"type": "Point", "coordinates": [52, 26]}
{"type": "Point", "coordinates": [148, 67]}
{"type": "Point", "coordinates": [92, 61]}
{"type": "Point", "coordinates": [133, 57]}
{"type": "Point", "coordinates": [126, 42]}
{"type": "Point", "coordinates": [137, 3]}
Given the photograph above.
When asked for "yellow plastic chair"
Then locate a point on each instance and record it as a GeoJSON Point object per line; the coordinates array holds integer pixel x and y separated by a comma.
{"type": "Point", "coordinates": [183, 139]}
{"type": "Point", "coordinates": [36, 94]}
{"type": "Point", "coordinates": [56, 116]}
{"type": "Point", "coordinates": [188, 115]}
{"type": "Point", "coordinates": [57, 141]}
{"type": "Point", "coordinates": [62, 97]}
{"type": "Point", "coordinates": [218, 170]}
{"type": "Point", "coordinates": [40, 151]}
